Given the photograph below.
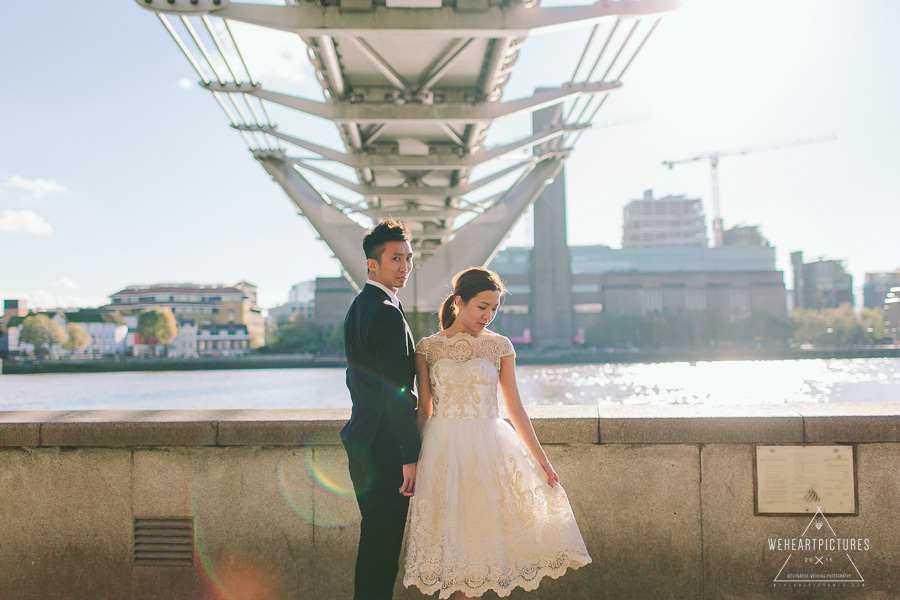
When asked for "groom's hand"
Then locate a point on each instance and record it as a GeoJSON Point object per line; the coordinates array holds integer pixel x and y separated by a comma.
{"type": "Point", "coordinates": [409, 480]}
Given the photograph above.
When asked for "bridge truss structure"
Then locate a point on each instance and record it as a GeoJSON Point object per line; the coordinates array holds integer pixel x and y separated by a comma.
{"type": "Point", "coordinates": [413, 87]}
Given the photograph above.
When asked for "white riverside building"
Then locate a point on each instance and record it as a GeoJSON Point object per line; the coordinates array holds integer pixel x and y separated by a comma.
{"type": "Point", "coordinates": [107, 330]}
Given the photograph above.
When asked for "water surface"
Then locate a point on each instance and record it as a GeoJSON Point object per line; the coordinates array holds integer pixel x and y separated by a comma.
{"type": "Point", "coordinates": [734, 383]}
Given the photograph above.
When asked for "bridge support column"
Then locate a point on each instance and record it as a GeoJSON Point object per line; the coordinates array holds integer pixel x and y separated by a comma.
{"type": "Point", "coordinates": [551, 308]}
{"type": "Point", "coordinates": [476, 243]}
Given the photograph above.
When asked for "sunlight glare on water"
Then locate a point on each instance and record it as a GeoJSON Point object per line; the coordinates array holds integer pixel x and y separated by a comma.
{"type": "Point", "coordinates": [706, 383]}
{"type": "Point", "coordinates": [715, 383]}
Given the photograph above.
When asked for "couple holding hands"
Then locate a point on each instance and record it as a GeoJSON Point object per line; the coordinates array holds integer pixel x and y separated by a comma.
{"type": "Point", "coordinates": [487, 512]}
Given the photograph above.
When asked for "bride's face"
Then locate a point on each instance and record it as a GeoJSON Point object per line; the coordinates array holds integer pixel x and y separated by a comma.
{"type": "Point", "coordinates": [476, 314]}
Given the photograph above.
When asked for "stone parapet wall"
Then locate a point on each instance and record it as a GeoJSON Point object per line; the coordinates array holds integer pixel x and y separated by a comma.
{"type": "Point", "coordinates": [663, 496]}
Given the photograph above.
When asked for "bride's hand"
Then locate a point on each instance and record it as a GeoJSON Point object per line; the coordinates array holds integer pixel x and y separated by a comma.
{"type": "Point", "coordinates": [552, 477]}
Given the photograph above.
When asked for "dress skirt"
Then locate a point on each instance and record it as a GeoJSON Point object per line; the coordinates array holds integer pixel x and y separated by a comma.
{"type": "Point", "coordinates": [483, 516]}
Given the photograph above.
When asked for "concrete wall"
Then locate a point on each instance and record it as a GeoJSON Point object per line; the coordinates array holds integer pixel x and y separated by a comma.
{"type": "Point", "coordinates": [663, 496]}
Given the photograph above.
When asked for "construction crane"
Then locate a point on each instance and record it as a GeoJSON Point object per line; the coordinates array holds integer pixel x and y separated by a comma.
{"type": "Point", "coordinates": [714, 164]}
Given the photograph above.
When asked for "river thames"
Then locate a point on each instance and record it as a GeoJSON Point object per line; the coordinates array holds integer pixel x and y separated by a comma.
{"type": "Point", "coordinates": [728, 383]}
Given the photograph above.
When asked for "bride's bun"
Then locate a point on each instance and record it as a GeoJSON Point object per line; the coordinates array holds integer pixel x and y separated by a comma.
{"type": "Point", "coordinates": [467, 284]}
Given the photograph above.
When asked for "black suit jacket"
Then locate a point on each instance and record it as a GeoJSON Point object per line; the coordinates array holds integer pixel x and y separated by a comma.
{"type": "Point", "coordinates": [381, 369]}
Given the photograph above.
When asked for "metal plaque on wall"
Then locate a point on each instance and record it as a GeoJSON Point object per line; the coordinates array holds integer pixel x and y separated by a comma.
{"type": "Point", "coordinates": [800, 479]}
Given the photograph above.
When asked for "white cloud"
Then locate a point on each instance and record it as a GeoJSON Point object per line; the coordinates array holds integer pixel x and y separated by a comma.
{"type": "Point", "coordinates": [65, 283]}
{"type": "Point", "coordinates": [44, 299]}
{"type": "Point", "coordinates": [23, 221]}
{"type": "Point", "coordinates": [273, 56]}
{"type": "Point", "coordinates": [185, 83]}
{"type": "Point", "coordinates": [36, 188]}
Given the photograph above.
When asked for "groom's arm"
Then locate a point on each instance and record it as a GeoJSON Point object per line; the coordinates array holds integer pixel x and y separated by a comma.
{"type": "Point", "coordinates": [391, 364]}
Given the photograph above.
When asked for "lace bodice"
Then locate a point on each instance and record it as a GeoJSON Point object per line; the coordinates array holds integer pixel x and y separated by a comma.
{"type": "Point", "coordinates": [464, 371]}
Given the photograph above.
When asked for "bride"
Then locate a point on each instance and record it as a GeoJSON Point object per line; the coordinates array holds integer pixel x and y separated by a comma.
{"type": "Point", "coordinates": [488, 511]}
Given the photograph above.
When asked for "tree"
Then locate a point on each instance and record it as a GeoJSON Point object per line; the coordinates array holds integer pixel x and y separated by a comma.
{"type": "Point", "coordinates": [298, 334]}
{"type": "Point", "coordinates": [78, 338]}
{"type": "Point", "coordinates": [272, 329]}
{"type": "Point", "coordinates": [157, 325]}
{"type": "Point", "coordinates": [839, 325]}
{"type": "Point", "coordinates": [42, 332]}
{"type": "Point", "coordinates": [809, 326]}
{"type": "Point", "coordinates": [335, 339]}
{"type": "Point", "coordinates": [873, 322]}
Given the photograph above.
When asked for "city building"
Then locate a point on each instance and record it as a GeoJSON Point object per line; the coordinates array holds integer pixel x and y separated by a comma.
{"type": "Point", "coordinates": [333, 297]}
{"type": "Point", "coordinates": [204, 305]}
{"type": "Point", "coordinates": [185, 343]}
{"type": "Point", "coordinates": [107, 331]}
{"type": "Point", "coordinates": [733, 282]}
{"type": "Point", "coordinates": [820, 284]}
{"type": "Point", "coordinates": [324, 300]}
{"type": "Point", "coordinates": [9, 338]}
{"type": "Point", "coordinates": [301, 302]}
{"type": "Point", "coordinates": [892, 315]}
{"type": "Point", "coordinates": [671, 221]}
{"type": "Point", "coordinates": [877, 287]}
{"type": "Point", "coordinates": [744, 235]}
{"type": "Point", "coordinates": [222, 340]}
{"type": "Point", "coordinates": [11, 309]}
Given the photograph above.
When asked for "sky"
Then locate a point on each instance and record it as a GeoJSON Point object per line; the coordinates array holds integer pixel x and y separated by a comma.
{"type": "Point", "coordinates": [117, 169]}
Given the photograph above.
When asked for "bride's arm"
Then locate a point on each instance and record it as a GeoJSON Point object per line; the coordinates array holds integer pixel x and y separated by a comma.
{"type": "Point", "coordinates": [519, 418]}
{"type": "Point", "coordinates": [424, 387]}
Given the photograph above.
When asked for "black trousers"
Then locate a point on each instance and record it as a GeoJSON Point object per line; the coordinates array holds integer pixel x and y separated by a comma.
{"type": "Point", "coordinates": [376, 481]}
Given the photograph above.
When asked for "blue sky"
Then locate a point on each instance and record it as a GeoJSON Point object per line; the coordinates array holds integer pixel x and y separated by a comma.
{"type": "Point", "coordinates": [116, 168]}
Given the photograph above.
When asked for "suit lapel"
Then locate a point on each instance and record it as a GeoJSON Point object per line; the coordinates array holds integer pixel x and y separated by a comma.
{"type": "Point", "coordinates": [383, 297]}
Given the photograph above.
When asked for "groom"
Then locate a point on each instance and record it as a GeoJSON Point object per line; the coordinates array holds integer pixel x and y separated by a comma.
{"type": "Point", "coordinates": [381, 438]}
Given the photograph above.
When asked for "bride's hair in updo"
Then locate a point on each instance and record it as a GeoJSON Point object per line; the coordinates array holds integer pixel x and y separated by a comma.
{"type": "Point", "coordinates": [467, 284]}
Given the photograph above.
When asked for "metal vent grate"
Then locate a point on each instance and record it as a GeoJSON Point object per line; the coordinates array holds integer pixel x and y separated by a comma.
{"type": "Point", "coordinates": [167, 542]}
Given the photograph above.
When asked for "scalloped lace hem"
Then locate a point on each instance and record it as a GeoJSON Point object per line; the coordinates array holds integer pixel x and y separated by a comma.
{"type": "Point", "coordinates": [526, 584]}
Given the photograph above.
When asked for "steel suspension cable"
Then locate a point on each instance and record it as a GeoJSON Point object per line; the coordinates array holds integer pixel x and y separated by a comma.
{"type": "Point", "coordinates": [183, 48]}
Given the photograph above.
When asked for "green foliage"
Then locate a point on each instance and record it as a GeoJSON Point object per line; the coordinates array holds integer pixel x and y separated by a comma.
{"type": "Point", "coordinates": [78, 338]}
{"type": "Point", "coordinates": [840, 325]}
{"type": "Point", "coordinates": [271, 334]}
{"type": "Point", "coordinates": [335, 339]}
{"type": "Point", "coordinates": [297, 335]}
{"type": "Point", "coordinates": [42, 332]}
{"type": "Point", "coordinates": [157, 324]}
{"type": "Point", "coordinates": [872, 320]}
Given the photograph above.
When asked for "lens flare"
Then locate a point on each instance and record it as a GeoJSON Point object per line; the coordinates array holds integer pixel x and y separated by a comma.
{"type": "Point", "coordinates": [237, 578]}
{"type": "Point", "coordinates": [229, 499]}
{"type": "Point", "coordinates": [316, 484]}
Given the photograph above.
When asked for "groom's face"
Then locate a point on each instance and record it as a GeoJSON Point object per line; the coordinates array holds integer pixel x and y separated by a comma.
{"type": "Point", "coordinates": [394, 266]}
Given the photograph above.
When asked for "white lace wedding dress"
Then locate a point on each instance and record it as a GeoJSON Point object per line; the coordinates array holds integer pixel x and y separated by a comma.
{"type": "Point", "coordinates": [483, 516]}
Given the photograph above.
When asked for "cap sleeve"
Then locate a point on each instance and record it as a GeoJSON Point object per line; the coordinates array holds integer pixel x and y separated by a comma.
{"type": "Point", "coordinates": [420, 347]}
{"type": "Point", "coordinates": [506, 347]}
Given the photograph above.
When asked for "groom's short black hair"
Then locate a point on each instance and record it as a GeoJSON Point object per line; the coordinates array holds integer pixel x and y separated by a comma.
{"type": "Point", "coordinates": [388, 230]}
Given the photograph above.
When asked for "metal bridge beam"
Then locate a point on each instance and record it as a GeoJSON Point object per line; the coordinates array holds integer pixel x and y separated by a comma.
{"type": "Point", "coordinates": [410, 191]}
{"type": "Point", "coordinates": [313, 20]}
{"type": "Point", "coordinates": [409, 112]}
{"type": "Point", "coordinates": [426, 84]}
{"type": "Point", "coordinates": [341, 233]}
{"type": "Point", "coordinates": [431, 162]}
{"type": "Point", "coordinates": [477, 242]}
